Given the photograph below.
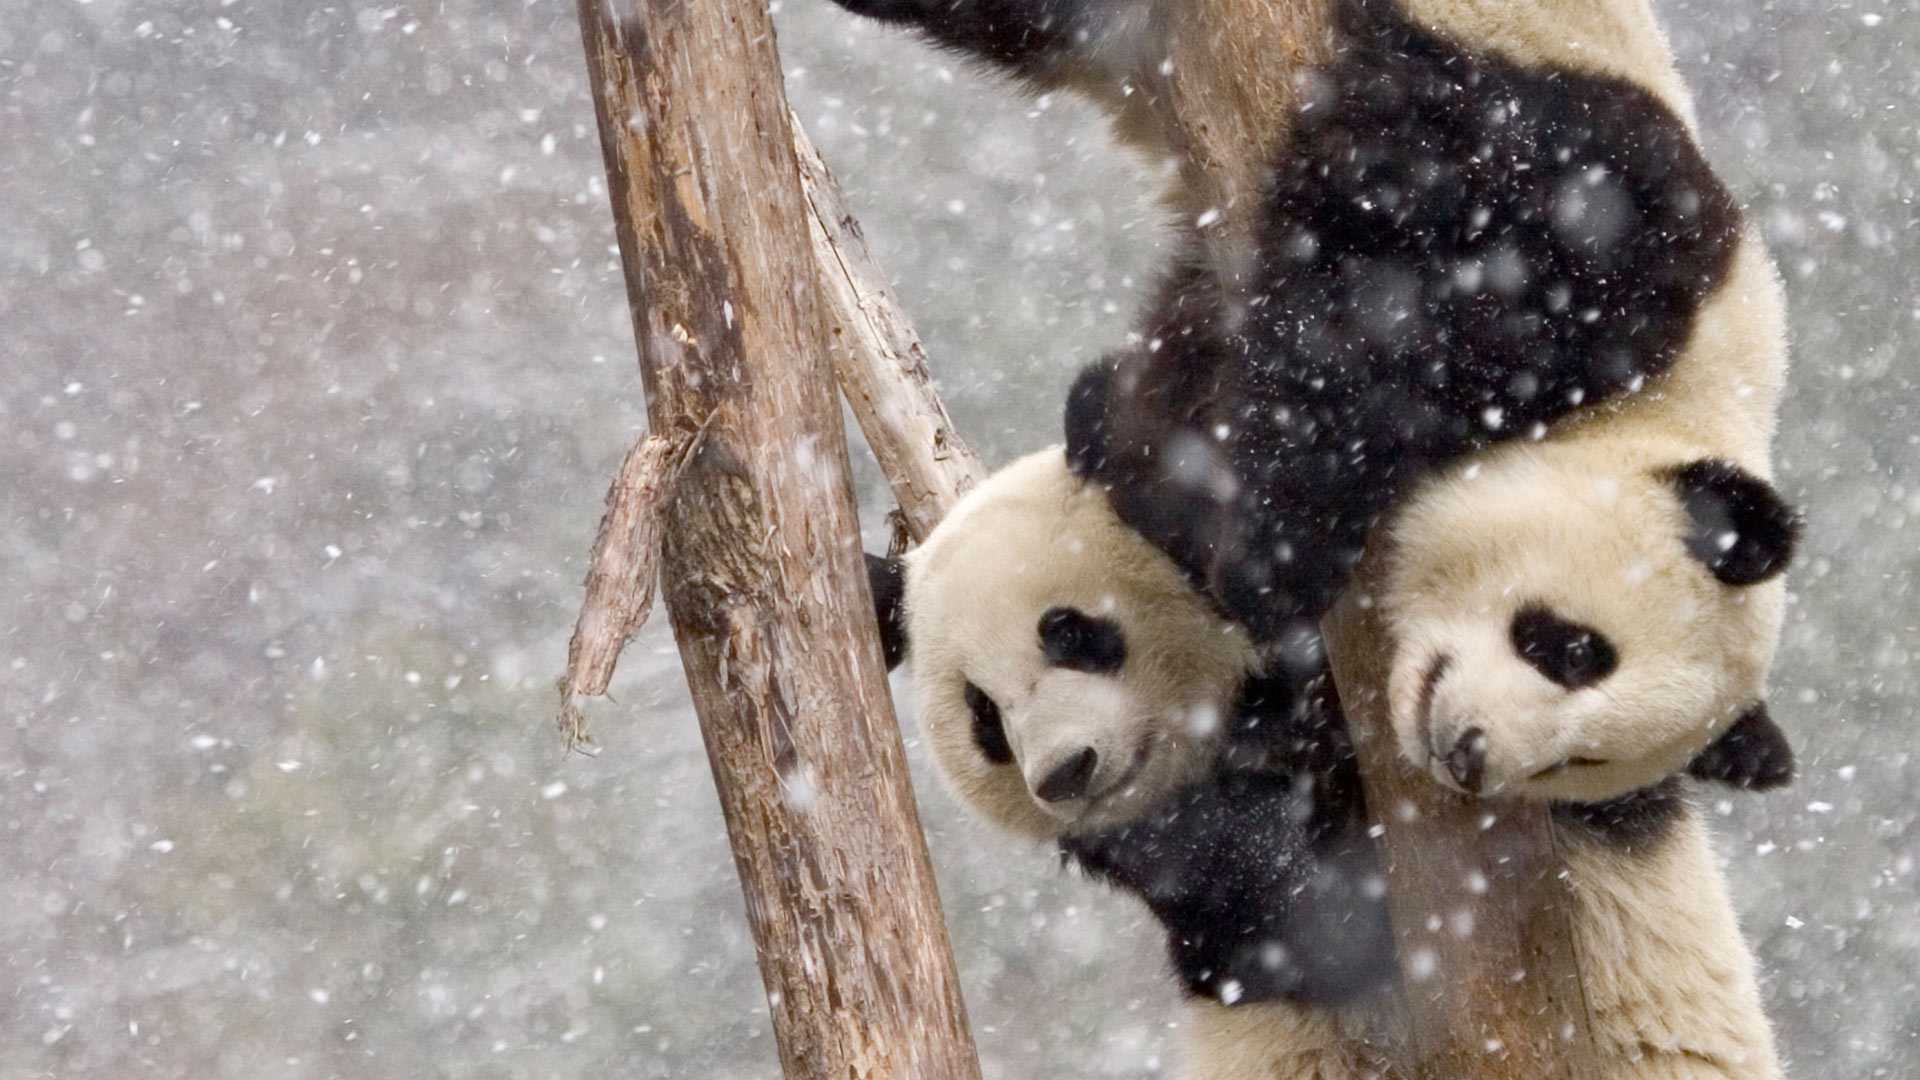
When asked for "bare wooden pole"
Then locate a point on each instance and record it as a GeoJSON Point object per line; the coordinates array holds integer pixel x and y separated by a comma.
{"type": "Point", "coordinates": [1480, 904]}
{"type": "Point", "coordinates": [761, 565]}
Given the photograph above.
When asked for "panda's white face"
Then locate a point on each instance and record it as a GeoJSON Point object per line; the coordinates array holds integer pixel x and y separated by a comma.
{"type": "Point", "coordinates": [1558, 632]}
{"type": "Point", "coordinates": [1066, 676]}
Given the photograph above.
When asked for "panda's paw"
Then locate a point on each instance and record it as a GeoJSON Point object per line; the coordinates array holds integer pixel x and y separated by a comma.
{"type": "Point", "coordinates": [1263, 896]}
{"type": "Point", "coordinates": [1334, 944]}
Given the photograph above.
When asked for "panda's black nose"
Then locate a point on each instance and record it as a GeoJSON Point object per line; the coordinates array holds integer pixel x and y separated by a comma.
{"type": "Point", "coordinates": [1070, 778]}
{"type": "Point", "coordinates": [1467, 761]}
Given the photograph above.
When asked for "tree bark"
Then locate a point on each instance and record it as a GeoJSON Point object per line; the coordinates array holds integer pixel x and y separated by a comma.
{"type": "Point", "coordinates": [622, 571]}
{"type": "Point", "coordinates": [761, 565]}
{"type": "Point", "coordinates": [1480, 904]}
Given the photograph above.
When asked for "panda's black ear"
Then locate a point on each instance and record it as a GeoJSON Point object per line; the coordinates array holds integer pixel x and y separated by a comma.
{"type": "Point", "coordinates": [887, 577]}
{"type": "Point", "coordinates": [1739, 526]}
{"type": "Point", "coordinates": [1087, 419]}
{"type": "Point", "coordinates": [1752, 754]}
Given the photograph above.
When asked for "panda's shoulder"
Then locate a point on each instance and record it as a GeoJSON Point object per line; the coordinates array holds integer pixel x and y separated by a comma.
{"type": "Point", "coordinates": [1620, 39]}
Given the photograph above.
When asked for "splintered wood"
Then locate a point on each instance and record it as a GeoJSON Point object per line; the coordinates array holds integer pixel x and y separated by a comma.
{"type": "Point", "coordinates": [881, 368]}
{"type": "Point", "coordinates": [622, 571]}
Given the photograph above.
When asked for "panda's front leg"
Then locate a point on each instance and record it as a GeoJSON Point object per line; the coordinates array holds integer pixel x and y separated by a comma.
{"type": "Point", "coordinates": [1263, 872]}
{"type": "Point", "coordinates": [1030, 37]}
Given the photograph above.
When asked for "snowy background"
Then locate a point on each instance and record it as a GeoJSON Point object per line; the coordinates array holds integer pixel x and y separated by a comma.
{"type": "Point", "coordinates": [315, 362]}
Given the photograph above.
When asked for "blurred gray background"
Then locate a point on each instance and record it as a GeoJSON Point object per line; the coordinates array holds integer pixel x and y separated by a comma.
{"type": "Point", "coordinates": [315, 362]}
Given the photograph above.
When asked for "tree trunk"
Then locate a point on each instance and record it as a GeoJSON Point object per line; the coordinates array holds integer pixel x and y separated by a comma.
{"type": "Point", "coordinates": [1481, 908]}
{"type": "Point", "coordinates": [761, 568]}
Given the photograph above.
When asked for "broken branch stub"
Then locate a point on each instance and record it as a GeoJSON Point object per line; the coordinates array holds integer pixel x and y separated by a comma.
{"type": "Point", "coordinates": [882, 370]}
{"type": "Point", "coordinates": [622, 571]}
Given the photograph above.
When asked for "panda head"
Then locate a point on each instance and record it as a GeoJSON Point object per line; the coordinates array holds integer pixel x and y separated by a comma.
{"type": "Point", "coordinates": [1066, 676]}
{"type": "Point", "coordinates": [1576, 620]}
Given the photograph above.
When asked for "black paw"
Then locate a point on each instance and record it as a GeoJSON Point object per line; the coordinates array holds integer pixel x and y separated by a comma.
{"type": "Point", "coordinates": [1263, 898]}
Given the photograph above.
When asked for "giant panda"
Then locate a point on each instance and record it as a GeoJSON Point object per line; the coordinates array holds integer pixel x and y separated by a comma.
{"type": "Point", "coordinates": [1461, 258]}
{"type": "Point", "coordinates": [1072, 685]}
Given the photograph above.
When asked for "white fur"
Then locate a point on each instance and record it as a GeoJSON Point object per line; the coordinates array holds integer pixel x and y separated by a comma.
{"type": "Point", "coordinates": [1668, 981]}
{"type": "Point", "coordinates": [1279, 1041]}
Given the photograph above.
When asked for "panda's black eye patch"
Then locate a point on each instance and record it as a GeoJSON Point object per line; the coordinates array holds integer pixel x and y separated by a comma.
{"type": "Point", "coordinates": [1071, 638]}
{"type": "Point", "coordinates": [989, 734]}
{"type": "Point", "coordinates": [1570, 654]}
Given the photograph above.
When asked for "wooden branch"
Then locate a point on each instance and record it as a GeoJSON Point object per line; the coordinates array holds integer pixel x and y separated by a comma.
{"type": "Point", "coordinates": [622, 571]}
{"type": "Point", "coordinates": [761, 563]}
{"type": "Point", "coordinates": [1480, 903]}
{"type": "Point", "coordinates": [879, 361]}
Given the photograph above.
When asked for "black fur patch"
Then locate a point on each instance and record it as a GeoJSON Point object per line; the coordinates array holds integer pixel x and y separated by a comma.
{"type": "Point", "coordinates": [1087, 419]}
{"type": "Point", "coordinates": [1753, 754]}
{"type": "Point", "coordinates": [1636, 821]}
{"type": "Point", "coordinates": [1261, 900]}
{"type": "Point", "coordinates": [1282, 723]}
{"type": "Point", "coordinates": [1070, 638]}
{"type": "Point", "coordinates": [989, 731]}
{"type": "Point", "coordinates": [1263, 874]}
{"type": "Point", "coordinates": [1569, 654]}
{"type": "Point", "coordinates": [887, 578]}
{"type": "Point", "coordinates": [1456, 250]}
{"type": "Point", "coordinates": [1020, 34]}
{"type": "Point", "coordinates": [1137, 422]}
{"type": "Point", "coordinates": [1742, 529]}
